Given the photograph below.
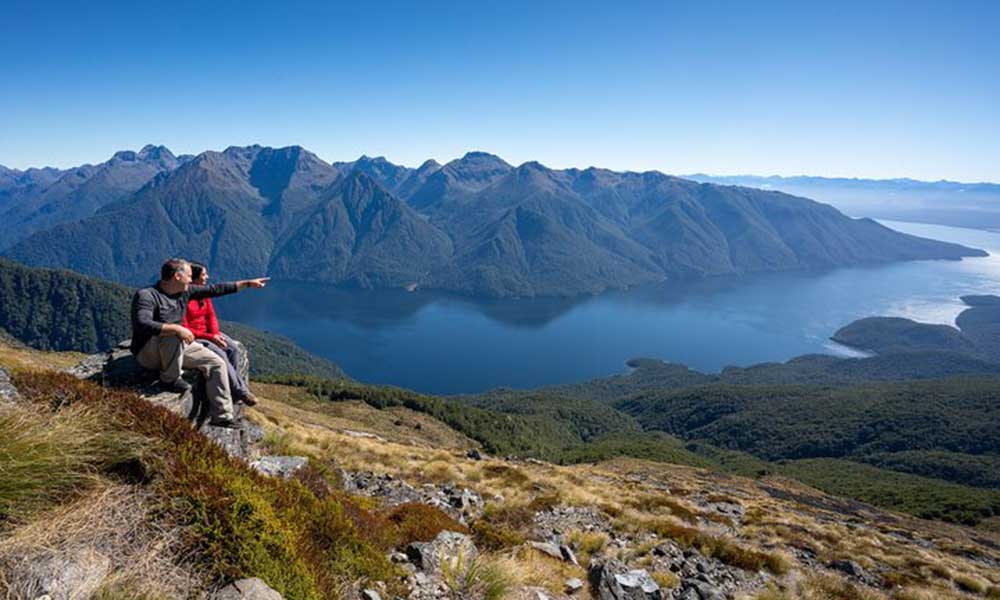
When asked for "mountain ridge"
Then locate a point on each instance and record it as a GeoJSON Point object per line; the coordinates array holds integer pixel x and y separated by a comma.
{"type": "Point", "coordinates": [475, 225]}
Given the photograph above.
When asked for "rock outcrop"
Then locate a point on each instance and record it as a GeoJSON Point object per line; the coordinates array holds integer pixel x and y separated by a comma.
{"type": "Point", "coordinates": [8, 393]}
{"type": "Point", "coordinates": [118, 368]}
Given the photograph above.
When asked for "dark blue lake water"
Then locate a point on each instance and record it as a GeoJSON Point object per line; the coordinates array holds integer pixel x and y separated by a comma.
{"type": "Point", "coordinates": [444, 344]}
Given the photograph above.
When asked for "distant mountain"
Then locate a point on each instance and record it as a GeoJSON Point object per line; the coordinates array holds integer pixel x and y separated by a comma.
{"type": "Point", "coordinates": [37, 199]}
{"type": "Point", "coordinates": [953, 203]}
{"type": "Point", "coordinates": [242, 210]}
{"type": "Point", "coordinates": [476, 225]}
{"type": "Point", "coordinates": [456, 182]}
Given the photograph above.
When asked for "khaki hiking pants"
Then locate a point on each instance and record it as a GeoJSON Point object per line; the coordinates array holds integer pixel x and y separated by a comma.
{"type": "Point", "coordinates": [169, 355]}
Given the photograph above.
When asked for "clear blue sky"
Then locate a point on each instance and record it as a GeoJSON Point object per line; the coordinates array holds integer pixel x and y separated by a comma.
{"type": "Point", "coordinates": [867, 89]}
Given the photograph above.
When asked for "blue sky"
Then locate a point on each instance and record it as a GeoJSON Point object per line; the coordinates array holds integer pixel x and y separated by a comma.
{"type": "Point", "coordinates": [866, 89]}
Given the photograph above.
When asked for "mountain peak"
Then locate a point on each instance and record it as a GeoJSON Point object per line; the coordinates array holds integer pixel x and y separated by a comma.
{"type": "Point", "coordinates": [151, 152]}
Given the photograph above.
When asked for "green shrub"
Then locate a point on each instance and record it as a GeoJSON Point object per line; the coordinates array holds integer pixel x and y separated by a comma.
{"type": "Point", "coordinates": [415, 522]}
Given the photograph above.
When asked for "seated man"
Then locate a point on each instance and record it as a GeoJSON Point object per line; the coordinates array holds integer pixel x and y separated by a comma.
{"type": "Point", "coordinates": [200, 318]}
{"type": "Point", "coordinates": [161, 343]}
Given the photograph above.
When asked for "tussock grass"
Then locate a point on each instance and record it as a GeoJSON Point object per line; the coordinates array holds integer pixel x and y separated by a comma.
{"type": "Point", "coordinates": [529, 567]}
{"type": "Point", "coordinates": [119, 521]}
{"type": "Point", "coordinates": [477, 578]}
{"type": "Point", "coordinates": [49, 457]}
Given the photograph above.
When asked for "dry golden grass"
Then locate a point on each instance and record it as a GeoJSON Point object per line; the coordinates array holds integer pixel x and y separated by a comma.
{"type": "Point", "coordinates": [633, 493]}
{"type": "Point", "coordinates": [14, 356]}
{"type": "Point", "coordinates": [529, 567]}
{"type": "Point", "coordinates": [115, 521]}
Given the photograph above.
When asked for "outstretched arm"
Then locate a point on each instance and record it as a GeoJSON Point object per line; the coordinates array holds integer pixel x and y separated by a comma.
{"type": "Point", "coordinates": [252, 283]}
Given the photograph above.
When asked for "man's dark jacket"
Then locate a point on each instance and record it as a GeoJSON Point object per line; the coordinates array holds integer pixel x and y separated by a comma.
{"type": "Point", "coordinates": [152, 308]}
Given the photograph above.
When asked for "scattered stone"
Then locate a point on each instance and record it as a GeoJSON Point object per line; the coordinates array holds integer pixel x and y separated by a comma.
{"type": "Point", "coordinates": [573, 585]}
{"type": "Point", "coordinates": [362, 434]}
{"type": "Point", "coordinates": [568, 555]}
{"type": "Point", "coordinates": [699, 590]}
{"type": "Point", "coordinates": [474, 454]}
{"type": "Point", "coordinates": [90, 367]}
{"type": "Point", "coordinates": [69, 576]}
{"type": "Point", "coordinates": [613, 581]}
{"type": "Point", "coordinates": [459, 503]}
{"type": "Point", "coordinates": [370, 594]}
{"type": "Point", "coordinates": [279, 466]}
{"type": "Point", "coordinates": [547, 548]}
{"type": "Point", "coordinates": [448, 546]}
{"type": "Point", "coordinates": [8, 393]}
{"type": "Point", "coordinates": [247, 589]}
{"type": "Point", "coordinates": [849, 567]}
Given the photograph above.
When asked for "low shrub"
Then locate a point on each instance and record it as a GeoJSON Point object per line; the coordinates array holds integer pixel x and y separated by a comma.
{"type": "Point", "coordinates": [415, 522]}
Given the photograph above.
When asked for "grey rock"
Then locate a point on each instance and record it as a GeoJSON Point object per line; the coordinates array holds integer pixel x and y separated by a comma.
{"type": "Point", "coordinates": [120, 369]}
{"type": "Point", "coordinates": [370, 594]}
{"type": "Point", "coordinates": [90, 367]}
{"type": "Point", "coordinates": [279, 466]}
{"type": "Point", "coordinates": [448, 546]}
{"type": "Point", "coordinates": [68, 576]}
{"type": "Point", "coordinates": [573, 585]}
{"type": "Point", "coordinates": [849, 567]}
{"type": "Point", "coordinates": [247, 589]}
{"type": "Point", "coordinates": [699, 590]}
{"type": "Point", "coordinates": [568, 555]}
{"type": "Point", "coordinates": [547, 548]}
{"type": "Point", "coordinates": [614, 581]}
{"type": "Point", "coordinates": [474, 454]}
{"type": "Point", "coordinates": [8, 393]}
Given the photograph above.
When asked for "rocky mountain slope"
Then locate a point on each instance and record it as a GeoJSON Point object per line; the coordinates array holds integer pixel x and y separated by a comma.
{"type": "Point", "coordinates": [340, 499]}
{"type": "Point", "coordinates": [38, 199]}
{"type": "Point", "coordinates": [475, 225]}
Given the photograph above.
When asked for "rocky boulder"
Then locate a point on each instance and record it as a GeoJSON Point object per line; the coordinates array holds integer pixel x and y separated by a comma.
{"type": "Point", "coordinates": [119, 369]}
{"type": "Point", "coordinates": [612, 580]}
{"type": "Point", "coordinates": [247, 589]}
{"type": "Point", "coordinates": [448, 547]}
{"type": "Point", "coordinates": [279, 466]}
{"type": "Point", "coordinates": [66, 576]}
{"type": "Point", "coordinates": [8, 393]}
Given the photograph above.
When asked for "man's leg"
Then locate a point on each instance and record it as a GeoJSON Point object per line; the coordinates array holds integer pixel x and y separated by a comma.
{"type": "Point", "coordinates": [237, 386]}
{"type": "Point", "coordinates": [213, 367]}
{"type": "Point", "coordinates": [164, 354]}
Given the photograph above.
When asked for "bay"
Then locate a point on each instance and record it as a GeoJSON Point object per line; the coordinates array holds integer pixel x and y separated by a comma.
{"type": "Point", "coordinates": [445, 344]}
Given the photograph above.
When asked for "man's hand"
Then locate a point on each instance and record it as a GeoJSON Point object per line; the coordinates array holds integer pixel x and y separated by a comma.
{"type": "Point", "coordinates": [220, 341]}
{"type": "Point", "coordinates": [253, 283]}
{"type": "Point", "coordinates": [182, 332]}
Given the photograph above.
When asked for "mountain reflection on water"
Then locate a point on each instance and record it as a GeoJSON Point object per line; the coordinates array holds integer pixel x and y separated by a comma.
{"type": "Point", "coordinates": [442, 343]}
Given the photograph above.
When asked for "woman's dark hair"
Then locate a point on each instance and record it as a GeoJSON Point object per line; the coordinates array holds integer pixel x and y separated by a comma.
{"type": "Point", "coordinates": [197, 269]}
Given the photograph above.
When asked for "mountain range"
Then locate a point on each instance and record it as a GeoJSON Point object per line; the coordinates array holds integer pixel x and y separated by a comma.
{"type": "Point", "coordinates": [954, 203]}
{"type": "Point", "coordinates": [475, 225]}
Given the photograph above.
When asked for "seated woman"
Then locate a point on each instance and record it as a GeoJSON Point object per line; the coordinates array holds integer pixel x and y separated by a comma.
{"type": "Point", "coordinates": [201, 320]}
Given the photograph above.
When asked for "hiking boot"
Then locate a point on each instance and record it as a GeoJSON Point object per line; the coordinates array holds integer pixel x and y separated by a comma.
{"type": "Point", "coordinates": [249, 399]}
{"type": "Point", "coordinates": [178, 386]}
{"type": "Point", "coordinates": [226, 423]}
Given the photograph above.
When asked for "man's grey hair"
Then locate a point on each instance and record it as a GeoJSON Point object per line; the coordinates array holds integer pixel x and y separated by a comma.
{"type": "Point", "coordinates": [172, 266]}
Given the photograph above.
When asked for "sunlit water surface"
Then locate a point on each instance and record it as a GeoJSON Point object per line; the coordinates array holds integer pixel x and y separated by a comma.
{"type": "Point", "coordinates": [445, 344]}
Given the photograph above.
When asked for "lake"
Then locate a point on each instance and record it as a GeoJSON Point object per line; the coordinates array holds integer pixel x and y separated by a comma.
{"type": "Point", "coordinates": [438, 343]}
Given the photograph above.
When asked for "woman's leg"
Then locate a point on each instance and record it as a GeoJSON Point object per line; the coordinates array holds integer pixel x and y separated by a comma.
{"type": "Point", "coordinates": [236, 383]}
